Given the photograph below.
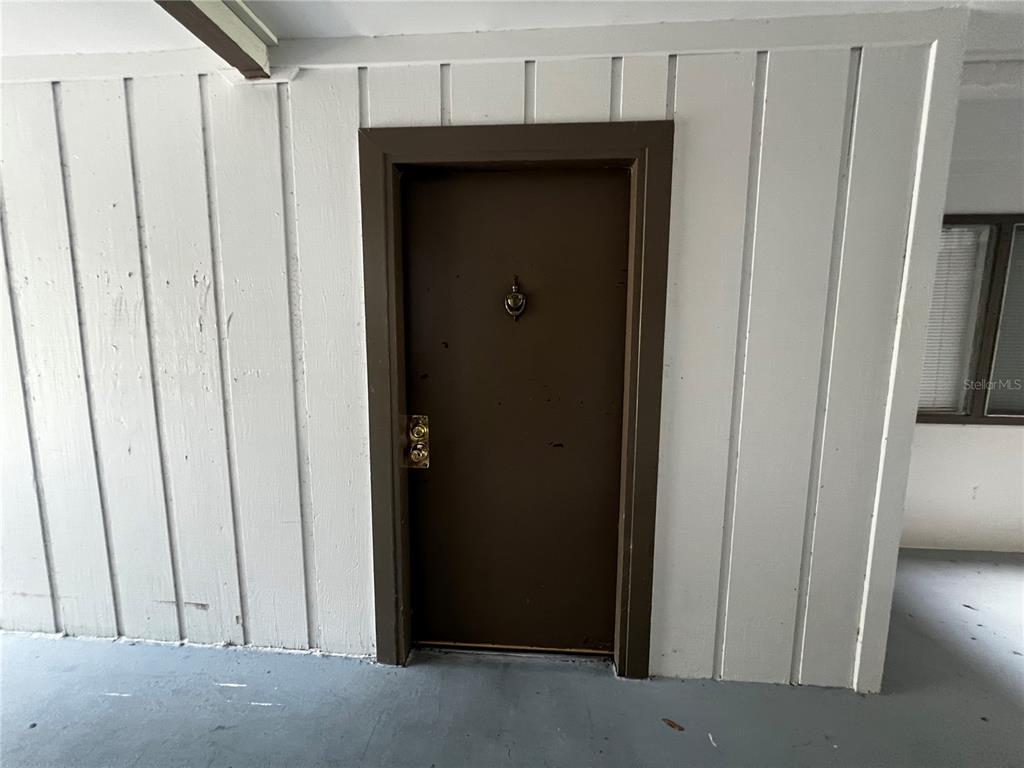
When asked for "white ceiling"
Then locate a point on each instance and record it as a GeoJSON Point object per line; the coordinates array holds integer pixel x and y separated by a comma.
{"type": "Point", "coordinates": [117, 26]}
{"type": "Point", "coordinates": [89, 26]}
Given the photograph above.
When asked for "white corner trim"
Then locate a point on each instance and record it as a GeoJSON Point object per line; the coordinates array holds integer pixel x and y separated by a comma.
{"type": "Point", "coordinates": [98, 66]}
{"type": "Point", "coordinates": [627, 39]}
{"type": "Point", "coordinates": [929, 192]}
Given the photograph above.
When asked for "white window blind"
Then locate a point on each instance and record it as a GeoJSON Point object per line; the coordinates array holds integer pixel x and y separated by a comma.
{"type": "Point", "coordinates": [952, 318]}
{"type": "Point", "coordinates": [1006, 392]}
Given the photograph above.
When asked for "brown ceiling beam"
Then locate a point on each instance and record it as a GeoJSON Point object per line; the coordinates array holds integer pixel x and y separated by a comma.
{"type": "Point", "coordinates": [223, 32]}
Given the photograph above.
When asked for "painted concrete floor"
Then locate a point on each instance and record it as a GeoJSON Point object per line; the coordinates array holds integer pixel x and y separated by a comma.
{"type": "Point", "coordinates": [954, 696]}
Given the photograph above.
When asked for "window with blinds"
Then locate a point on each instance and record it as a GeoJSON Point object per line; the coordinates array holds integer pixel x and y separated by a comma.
{"type": "Point", "coordinates": [1006, 386]}
{"type": "Point", "coordinates": [953, 318]}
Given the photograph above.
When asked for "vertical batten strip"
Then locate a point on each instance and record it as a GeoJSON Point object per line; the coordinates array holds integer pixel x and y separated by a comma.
{"type": "Point", "coordinates": [873, 680]}
{"type": "Point", "coordinates": [888, 115]}
{"type": "Point", "coordinates": [573, 90]}
{"type": "Point", "coordinates": [932, 83]}
{"type": "Point", "coordinates": [76, 283]}
{"type": "Point", "coordinates": [245, 136]}
{"type": "Point", "coordinates": [801, 145]}
{"type": "Point", "coordinates": [325, 119]}
{"type": "Point", "coordinates": [711, 153]}
{"type": "Point", "coordinates": [670, 95]}
{"type": "Point", "coordinates": [29, 594]}
{"type": "Point", "coordinates": [104, 224]}
{"type": "Point", "coordinates": [147, 305]}
{"type": "Point", "coordinates": [446, 94]}
{"type": "Point", "coordinates": [741, 346]}
{"type": "Point", "coordinates": [293, 273]}
{"type": "Point", "coordinates": [223, 333]}
{"type": "Point", "coordinates": [827, 352]}
{"type": "Point", "coordinates": [364, 97]}
{"type": "Point", "coordinates": [487, 92]}
{"type": "Point", "coordinates": [641, 93]}
{"type": "Point", "coordinates": [43, 299]}
{"type": "Point", "coordinates": [404, 95]}
{"type": "Point", "coordinates": [530, 91]}
{"type": "Point", "coordinates": [935, 138]}
{"type": "Point", "coordinates": [177, 266]}
{"type": "Point", "coordinates": [616, 93]}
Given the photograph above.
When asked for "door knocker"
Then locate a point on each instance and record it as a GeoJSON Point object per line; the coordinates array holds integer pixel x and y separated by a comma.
{"type": "Point", "coordinates": [515, 300]}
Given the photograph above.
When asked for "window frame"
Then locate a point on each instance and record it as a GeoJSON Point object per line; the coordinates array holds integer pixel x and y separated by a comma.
{"type": "Point", "coordinates": [990, 305]}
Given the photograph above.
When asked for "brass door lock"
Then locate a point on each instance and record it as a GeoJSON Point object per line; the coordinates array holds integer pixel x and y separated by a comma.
{"type": "Point", "coordinates": [417, 442]}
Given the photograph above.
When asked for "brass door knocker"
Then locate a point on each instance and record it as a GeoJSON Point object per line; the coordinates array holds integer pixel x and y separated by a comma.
{"type": "Point", "coordinates": [515, 300]}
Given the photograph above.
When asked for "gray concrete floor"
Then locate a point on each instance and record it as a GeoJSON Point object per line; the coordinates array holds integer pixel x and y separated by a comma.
{"type": "Point", "coordinates": [954, 696]}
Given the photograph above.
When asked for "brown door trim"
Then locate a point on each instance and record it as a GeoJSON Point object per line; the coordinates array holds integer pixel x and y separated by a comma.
{"type": "Point", "coordinates": [646, 149]}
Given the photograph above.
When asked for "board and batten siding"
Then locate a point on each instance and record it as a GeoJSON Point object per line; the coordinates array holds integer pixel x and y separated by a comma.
{"type": "Point", "coordinates": [185, 446]}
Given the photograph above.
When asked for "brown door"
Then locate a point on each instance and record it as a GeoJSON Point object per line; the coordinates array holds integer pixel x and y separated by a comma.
{"type": "Point", "coordinates": [514, 526]}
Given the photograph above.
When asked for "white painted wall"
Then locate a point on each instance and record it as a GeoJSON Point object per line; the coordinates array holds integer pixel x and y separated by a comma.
{"type": "Point", "coordinates": [186, 317]}
{"type": "Point", "coordinates": [966, 486]}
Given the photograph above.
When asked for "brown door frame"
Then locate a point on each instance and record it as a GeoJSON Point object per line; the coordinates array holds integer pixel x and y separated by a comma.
{"type": "Point", "coordinates": [645, 148]}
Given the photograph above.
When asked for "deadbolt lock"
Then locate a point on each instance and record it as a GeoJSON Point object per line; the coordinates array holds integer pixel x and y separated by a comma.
{"type": "Point", "coordinates": [417, 442]}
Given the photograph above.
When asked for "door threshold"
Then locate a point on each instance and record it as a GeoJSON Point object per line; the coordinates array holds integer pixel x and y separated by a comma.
{"type": "Point", "coordinates": [446, 644]}
{"type": "Point", "coordinates": [425, 651]}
